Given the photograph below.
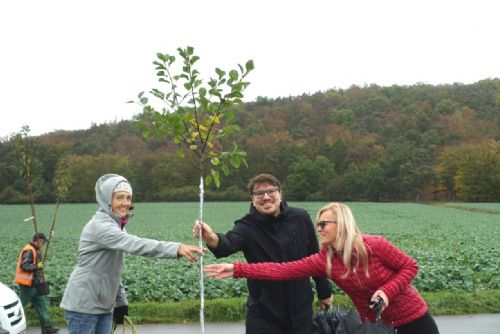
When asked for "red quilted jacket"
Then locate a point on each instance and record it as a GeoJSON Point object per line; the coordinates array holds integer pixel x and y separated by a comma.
{"type": "Point", "coordinates": [390, 270]}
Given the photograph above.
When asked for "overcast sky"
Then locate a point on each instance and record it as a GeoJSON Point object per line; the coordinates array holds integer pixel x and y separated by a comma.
{"type": "Point", "coordinates": [67, 64]}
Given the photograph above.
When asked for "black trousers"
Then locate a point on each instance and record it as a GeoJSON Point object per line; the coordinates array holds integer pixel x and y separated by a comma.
{"type": "Point", "coordinates": [424, 324]}
{"type": "Point", "coordinates": [257, 323]}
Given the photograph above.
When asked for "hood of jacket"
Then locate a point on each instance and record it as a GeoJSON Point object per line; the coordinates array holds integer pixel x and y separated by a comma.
{"type": "Point", "coordinates": [104, 193]}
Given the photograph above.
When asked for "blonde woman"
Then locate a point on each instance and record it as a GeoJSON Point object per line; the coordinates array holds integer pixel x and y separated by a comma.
{"type": "Point", "coordinates": [365, 267]}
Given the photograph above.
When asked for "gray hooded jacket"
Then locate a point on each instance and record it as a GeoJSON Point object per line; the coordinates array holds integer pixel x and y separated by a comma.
{"type": "Point", "coordinates": [94, 286]}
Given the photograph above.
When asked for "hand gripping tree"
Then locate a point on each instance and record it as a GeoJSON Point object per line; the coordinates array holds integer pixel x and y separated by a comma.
{"type": "Point", "coordinates": [197, 117]}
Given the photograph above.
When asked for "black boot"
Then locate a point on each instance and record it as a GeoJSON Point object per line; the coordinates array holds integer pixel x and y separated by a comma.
{"type": "Point", "coordinates": [49, 329]}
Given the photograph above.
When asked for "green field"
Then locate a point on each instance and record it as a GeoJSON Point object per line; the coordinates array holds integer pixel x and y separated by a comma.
{"type": "Point", "coordinates": [458, 249]}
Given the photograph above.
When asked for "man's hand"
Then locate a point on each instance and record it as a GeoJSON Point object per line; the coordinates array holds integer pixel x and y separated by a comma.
{"type": "Point", "coordinates": [119, 314]}
{"type": "Point", "coordinates": [211, 238]}
{"type": "Point", "coordinates": [219, 270]}
{"type": "Point", "coordinates": [188, 251]}
{"type": "Point", "coordinates": [39, 265]}
{"type": "Point", "coordinates": [326, 303]}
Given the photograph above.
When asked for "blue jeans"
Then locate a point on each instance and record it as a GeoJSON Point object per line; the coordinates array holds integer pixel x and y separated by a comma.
{"type": "Point", "coordinates": [84, 323]}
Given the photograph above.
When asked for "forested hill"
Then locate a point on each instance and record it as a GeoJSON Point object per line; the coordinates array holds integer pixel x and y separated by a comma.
{"type": "Point", "coordinates": [398, 143]}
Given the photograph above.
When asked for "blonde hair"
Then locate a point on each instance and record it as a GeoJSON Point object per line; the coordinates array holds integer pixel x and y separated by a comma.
{"type": "Point", "coordinates": [348, 241]}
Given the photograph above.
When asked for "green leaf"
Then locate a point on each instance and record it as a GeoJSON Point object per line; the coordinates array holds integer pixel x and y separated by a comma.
{"type": "Point", "coordinates": [197, 83]}
{"type": "Point", "coordinates": [216, 120]}
{"type": "Point", "coordinates": [214, 161]}
{"type": "Point", "coordinates": [249, 65]}
{"type": "Point", "coordinates": [216, 176]}
{"type": "Point", "coordinates": [158, 93]}
{"type": "Point", "coordinates": [194, 60]}
{"type": "Point", "coordinates": [235, 161]}
{"type": "Point", "coordinates": [233, 74]}
{"type": "Point", "coordinates": [162, 57]}
{"type": "Point", "coordinates": [225, 169]}
{"type": "Point", "coordinates": [220, 72]}
{"type": "Point", "coordinates": [215, 92]}
{"type": "Point", "coordinates": [230, 129]}
{"type": "Point", "coordinates": [229, 116]}
{"type": "Point", "coordinates": [208, 180]}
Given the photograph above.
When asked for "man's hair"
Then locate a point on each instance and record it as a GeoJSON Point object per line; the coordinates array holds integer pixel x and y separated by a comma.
{"type": "Point", "coordinates": [263, 178]}
{"type": "Point", "coordinates": [39, 236]}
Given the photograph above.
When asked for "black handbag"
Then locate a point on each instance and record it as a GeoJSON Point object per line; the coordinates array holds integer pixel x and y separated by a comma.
{"type": "Point", "coordinates": [323, 322]}
{"type": "Point", "coordinates": [349, 322]}
{"type": "Point", "coordinates": [341, 322]}
{"type": "Point", "coordinates": [336, 321]}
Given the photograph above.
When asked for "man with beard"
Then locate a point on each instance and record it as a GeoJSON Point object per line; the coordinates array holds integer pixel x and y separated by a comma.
{"type": "Point", "coordinates": [272, 232]}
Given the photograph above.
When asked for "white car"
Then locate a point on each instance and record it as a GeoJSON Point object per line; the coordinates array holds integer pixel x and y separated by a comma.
{"type": "Point", "coordinates": [12, 319]}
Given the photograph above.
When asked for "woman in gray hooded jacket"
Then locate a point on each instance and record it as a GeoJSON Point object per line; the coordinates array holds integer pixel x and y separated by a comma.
{"type": "Point", "coordinates": [94, 287]}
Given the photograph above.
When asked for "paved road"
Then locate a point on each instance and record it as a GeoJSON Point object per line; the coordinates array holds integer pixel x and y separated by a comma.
{"type": "Point", "coordinates": [457, 324]}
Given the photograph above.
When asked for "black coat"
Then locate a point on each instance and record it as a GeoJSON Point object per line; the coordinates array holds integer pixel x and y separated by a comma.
{"type": "Point", "coordinates": [262, 238]}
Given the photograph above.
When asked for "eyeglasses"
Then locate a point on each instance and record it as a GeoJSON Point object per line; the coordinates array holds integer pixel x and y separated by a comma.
{"type": "Point", "coordinates": [261, 193]}
{"type": "Point", "coordinates": [322, 223]}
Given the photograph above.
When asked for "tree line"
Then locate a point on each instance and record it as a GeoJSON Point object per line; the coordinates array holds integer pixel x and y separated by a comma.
{"type": "Point", "coordinates": [372, 143]}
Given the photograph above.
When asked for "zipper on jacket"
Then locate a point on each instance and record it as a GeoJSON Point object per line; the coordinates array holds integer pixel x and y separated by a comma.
{"type": "Point", "coordinates": [355, 271]}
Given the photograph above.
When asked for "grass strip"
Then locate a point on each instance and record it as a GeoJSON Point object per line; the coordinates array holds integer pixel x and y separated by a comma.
{"type": "Point", "coordinates": [233, 309]}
